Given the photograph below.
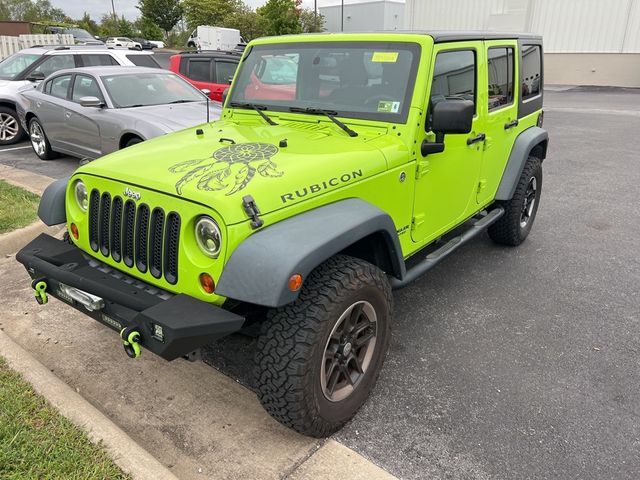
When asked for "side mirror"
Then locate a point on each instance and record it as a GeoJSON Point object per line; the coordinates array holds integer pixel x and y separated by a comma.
{"type": "Point", "coordinates": [206, 91]}
{"type": "Point", "coordinates": [224, 96]}
{"type": "Point", "coordinates": [35, 77]}
{"type": "Point", "coordinates": [448, 116]}
{"type": "Point", "coordinates": [92, 102]}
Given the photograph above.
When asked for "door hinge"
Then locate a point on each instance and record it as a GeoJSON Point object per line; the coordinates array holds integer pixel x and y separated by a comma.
{"type": "Point", "coordinates": [416, 221]}
{"type": "Point", "coordinates": [422, 168]}
{"type": "Point", "coordinates": [482, 184]}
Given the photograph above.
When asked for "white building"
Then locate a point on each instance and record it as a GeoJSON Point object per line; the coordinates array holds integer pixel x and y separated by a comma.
{"type": "Point", "coordinates": [586, 42]}
{"type": "Point", "coordinates": [366, 16]}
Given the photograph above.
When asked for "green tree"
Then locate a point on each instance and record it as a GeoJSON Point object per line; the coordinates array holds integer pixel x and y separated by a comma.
{"type": "Point", "coordinates": [250, 24]}
{"type": "Point", "coordinates": [310, 22]}
{"type": "Point", "coordinates": [210, 12]}
{"type": "Point", "coordinates": [30, 11]}
{"type": "Point", "coordinates": [118, 27]}
{"type": "Point", "coordinates": [148, 29]}
{"type": "Point", "coordinates": [88, 24]}
{"type": "Point", "coordinates": [164, 13]}
{"type": "Point", "coordinates": [281, 16]}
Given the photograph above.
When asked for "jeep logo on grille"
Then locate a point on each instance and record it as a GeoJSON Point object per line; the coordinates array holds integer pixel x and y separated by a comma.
{"type": "Point", "coordinates": [131, 194]}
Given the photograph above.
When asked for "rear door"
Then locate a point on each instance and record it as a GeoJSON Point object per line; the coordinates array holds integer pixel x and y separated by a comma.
{"type": "Point", "coordinates": [223, 75]}
{"type": "Point", "coordinates": [50, 107]}
{"type": "Point", "coordinates": [446, 182]}
{"type": "Point", "coordinates": [501, 111]}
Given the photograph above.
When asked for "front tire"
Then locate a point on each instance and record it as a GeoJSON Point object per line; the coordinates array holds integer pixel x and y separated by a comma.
{"type": "Point", "coordinates": [132, 141]}
{"type": "Point", "coordinates": [514, 226]}
{"type": "Point", "coordinates": [318, 358]}
{"type": "Point", "coordinates": [10, 129]}
{"type": "Point", "coordinates": [39, 141]}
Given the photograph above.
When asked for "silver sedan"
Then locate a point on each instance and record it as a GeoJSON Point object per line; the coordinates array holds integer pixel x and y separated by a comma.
{"type": "Point", "coordinates": [89, 112]}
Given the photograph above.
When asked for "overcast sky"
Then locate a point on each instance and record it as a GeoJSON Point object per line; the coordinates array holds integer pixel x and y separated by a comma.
{"type": "Point", "coordinates": [97, 8]}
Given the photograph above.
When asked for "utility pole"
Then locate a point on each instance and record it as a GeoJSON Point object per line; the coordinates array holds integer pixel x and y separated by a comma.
{"type": "Point", "coordinates": [113, 9]}
{"type": "Point", "coordinates": [315, 16]}
{"type": "Point", "coordinates": [341, 17]}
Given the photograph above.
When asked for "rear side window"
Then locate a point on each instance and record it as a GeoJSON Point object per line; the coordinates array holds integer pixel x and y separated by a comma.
{"type": "Point", "coordinates": [531, 71]}
{"type": "Point", "coordinates": [60, 86]}
{"type": "Point", "coordinates": [143, 61]}
{"type": "Point", "coordinates": [501, 72]}
{"type": "Point", "coordinates": [200, 70]}
{"type": "Point", "coordinates": [225, 72]}
{"type": "Point", "coordinates": [97, 60]}
{"type": "Point", "coordinates": [454, 76]}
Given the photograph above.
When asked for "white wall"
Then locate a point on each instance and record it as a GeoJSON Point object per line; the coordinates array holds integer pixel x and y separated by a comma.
{"type": "Point", "coordinates": [365, 16]}
{"type": "Point", "coordinates": [568, 26]}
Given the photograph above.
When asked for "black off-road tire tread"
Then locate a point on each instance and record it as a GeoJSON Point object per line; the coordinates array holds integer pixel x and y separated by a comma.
{"type": "Point", "coordinates": [507, 231]}
{"type": "Point", "coordinates": [291, 335]}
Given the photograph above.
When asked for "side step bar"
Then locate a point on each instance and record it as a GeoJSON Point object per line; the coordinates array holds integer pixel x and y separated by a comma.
{"type": "Point", "coordinates": [438, 255]}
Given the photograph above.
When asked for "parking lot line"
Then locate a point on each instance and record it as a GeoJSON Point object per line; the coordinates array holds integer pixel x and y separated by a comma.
{"type": "Point", "coordinates": [14, 148]}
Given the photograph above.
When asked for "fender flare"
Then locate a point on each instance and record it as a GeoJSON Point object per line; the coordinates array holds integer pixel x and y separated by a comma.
{"type": "Point", "coordinates": [52, 204]}
{"type": "Point", "coordinates": [259, 268]}
{"type": "Point", "coordinates": [527, 140]}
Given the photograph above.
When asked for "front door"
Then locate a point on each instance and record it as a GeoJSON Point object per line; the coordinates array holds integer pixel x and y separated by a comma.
{"type": "Point", "coordinates": [447, 182]}
{"type": "Point", "coordinates": [83, 132]}
{"type": "Point", "coordinates": [501, 112]}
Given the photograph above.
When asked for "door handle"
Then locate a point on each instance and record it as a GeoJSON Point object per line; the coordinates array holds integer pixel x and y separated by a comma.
{"type": "Point", "coordinates": [67, 114]}
{"type": "Point", "coordinates": [478, 138]}
{"type": "Point", "coordinates": [513, 123]}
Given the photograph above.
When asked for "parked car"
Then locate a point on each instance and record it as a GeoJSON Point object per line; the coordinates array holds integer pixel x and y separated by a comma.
{"type": "Point", "coordinates": [30, 66]}
{"type": "Point", "coordinates": [145, 44]}
{"type": "Point", "coordinates": [157, 43]}
{"type": "Point", "coordinates": [123, 42]}
{"type": "Point", "coordinates": [80, 35]}
{"type": "Point", "coordinates": [89, 112]}
{"type": "Point", "coordinates": [212, 71]}
{"type": "Point", "coordinates": [296, 218]}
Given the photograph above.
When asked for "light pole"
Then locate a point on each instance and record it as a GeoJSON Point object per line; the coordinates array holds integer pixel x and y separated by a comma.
{"type": "Point", "coordinates": [341, 17]}
{"type": "Point", "coordinates": [113, 9]}
{"type": "Point", "coordinates": [315, 15]}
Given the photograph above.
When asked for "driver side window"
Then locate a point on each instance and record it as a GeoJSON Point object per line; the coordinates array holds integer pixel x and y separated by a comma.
{"type": "Point", "coordinates": [454, 78]}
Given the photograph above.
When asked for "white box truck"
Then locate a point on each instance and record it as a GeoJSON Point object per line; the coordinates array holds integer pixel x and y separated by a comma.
{"type": "Point", "coordinates": [206, 37]}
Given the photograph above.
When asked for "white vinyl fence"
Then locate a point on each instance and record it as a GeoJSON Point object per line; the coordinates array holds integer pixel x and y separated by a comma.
{"type": "Point", "coordinates": [10, 45]}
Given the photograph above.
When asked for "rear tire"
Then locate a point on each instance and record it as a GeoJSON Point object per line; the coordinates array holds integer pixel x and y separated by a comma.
{"type": "Point", "coordinates": [318, 358]}
{"type": "Point", "coordinates": [132, 141]}
{"type": "Point", "coordinates": [11, 130]}
{"type": "Point", "coordinates": [39, 141]}
{"type": "Point", "coordinates": [514, 226]}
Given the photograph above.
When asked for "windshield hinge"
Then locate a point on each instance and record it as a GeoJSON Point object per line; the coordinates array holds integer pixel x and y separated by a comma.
{"type": "Point", "coordinates": [252, 211]}
{"type": "Point", "coordinates": [416, 221]}
{"type": "Point", "coordinates": [422, 168]}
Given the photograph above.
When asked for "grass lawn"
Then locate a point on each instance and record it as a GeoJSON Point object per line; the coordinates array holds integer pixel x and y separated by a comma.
{"type": "Point", "coordinates": [18, 207]}
{"type": "Point", "coordinates": [36, 442]}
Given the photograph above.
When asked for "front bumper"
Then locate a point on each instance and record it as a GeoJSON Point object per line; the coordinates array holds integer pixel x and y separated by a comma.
{"type": "Point", "coordinates": [186, 322]}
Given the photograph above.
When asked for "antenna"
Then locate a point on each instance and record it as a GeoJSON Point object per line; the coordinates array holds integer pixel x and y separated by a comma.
{"type": "Point", "coordinates": [207, 108]}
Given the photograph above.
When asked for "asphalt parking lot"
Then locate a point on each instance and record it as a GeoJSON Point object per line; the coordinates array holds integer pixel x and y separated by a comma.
{"type": "Point", "coordinates": [513, 363]}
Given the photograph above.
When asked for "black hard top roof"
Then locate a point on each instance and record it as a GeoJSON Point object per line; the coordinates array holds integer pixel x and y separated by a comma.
{"type": "Point", "coordinates": [458, 36]}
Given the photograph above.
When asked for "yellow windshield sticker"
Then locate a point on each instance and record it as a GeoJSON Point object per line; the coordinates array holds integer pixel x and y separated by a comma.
{"type": "Point", "coordinates": [385, 57]}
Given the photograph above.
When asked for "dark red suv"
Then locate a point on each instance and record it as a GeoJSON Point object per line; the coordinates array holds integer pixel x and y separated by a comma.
{"type": "Point", "coordinates": [212, 70]}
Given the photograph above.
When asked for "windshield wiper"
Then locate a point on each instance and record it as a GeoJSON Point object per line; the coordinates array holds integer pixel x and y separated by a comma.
{"type": "Point", "coordinates": [327, 113]}
{"type": "Point", "coordinates": [257, 108]}
{"type": "Point", "coordinates": [182, 101]}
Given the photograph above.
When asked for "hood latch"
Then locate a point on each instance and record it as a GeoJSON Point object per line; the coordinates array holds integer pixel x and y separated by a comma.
{"type": "Point", "coordinates": [252, 211]}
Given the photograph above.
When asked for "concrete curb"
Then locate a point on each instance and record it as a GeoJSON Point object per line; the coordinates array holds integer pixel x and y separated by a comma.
{"type": "Point", "coordinates": [126, 453]}
{"type": "Point", "coordinates": [13, 241]}
{"type": "Point", "coordinates": [33, 182]}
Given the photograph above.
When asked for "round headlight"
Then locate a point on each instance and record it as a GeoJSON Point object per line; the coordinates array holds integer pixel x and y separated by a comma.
{"type": "Point", "coordinates": [82, 197]}
{"type": "Point", "coordinates": [208, 236]}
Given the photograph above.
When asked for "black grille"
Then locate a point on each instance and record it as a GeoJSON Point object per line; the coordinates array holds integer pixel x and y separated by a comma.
{"type": "Point", "coordinates": [134, 234]}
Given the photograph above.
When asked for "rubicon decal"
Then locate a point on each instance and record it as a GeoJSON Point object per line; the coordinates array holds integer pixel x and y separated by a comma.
{"type": "Point", "coordinates": [320, 187]}
{"type": "Point", "coordinates": [230, 167]}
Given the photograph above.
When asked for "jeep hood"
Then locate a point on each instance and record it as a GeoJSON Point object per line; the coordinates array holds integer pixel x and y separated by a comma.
{"type": "Point", "coordinates": [277, 165]}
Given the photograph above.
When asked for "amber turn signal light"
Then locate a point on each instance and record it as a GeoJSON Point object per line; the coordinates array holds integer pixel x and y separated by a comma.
{"type": "Point", "coordinates": [74, 231]}
{"type": "Point", "coordinates": [207, 283]}
{"type": "Point", "coordinates": [295, 282]}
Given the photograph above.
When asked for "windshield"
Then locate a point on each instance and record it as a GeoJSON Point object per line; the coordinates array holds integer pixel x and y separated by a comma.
{"type": "Point", "coordinates": [144, 89]}
{"type": "Point", "coordinates": [369, 80]}
{"type": "Point", "coordinates": [78, 33]}
{"type": "Point", "coordinates": [11, 66]}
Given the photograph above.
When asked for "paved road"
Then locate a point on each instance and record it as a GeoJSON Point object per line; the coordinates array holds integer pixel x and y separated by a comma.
{"type": "Point", "coordinates": [516, 363]}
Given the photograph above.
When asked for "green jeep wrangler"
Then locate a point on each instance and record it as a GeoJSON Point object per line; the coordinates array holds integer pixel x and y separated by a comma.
{"type": "Point", "coordinates": [344, 166]}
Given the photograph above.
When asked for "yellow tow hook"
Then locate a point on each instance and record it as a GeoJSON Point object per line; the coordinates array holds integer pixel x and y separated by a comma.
{"type": "Point", "coordinates": [40, 291]}
{"type": "Point", "coordinates": [131, 342]}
